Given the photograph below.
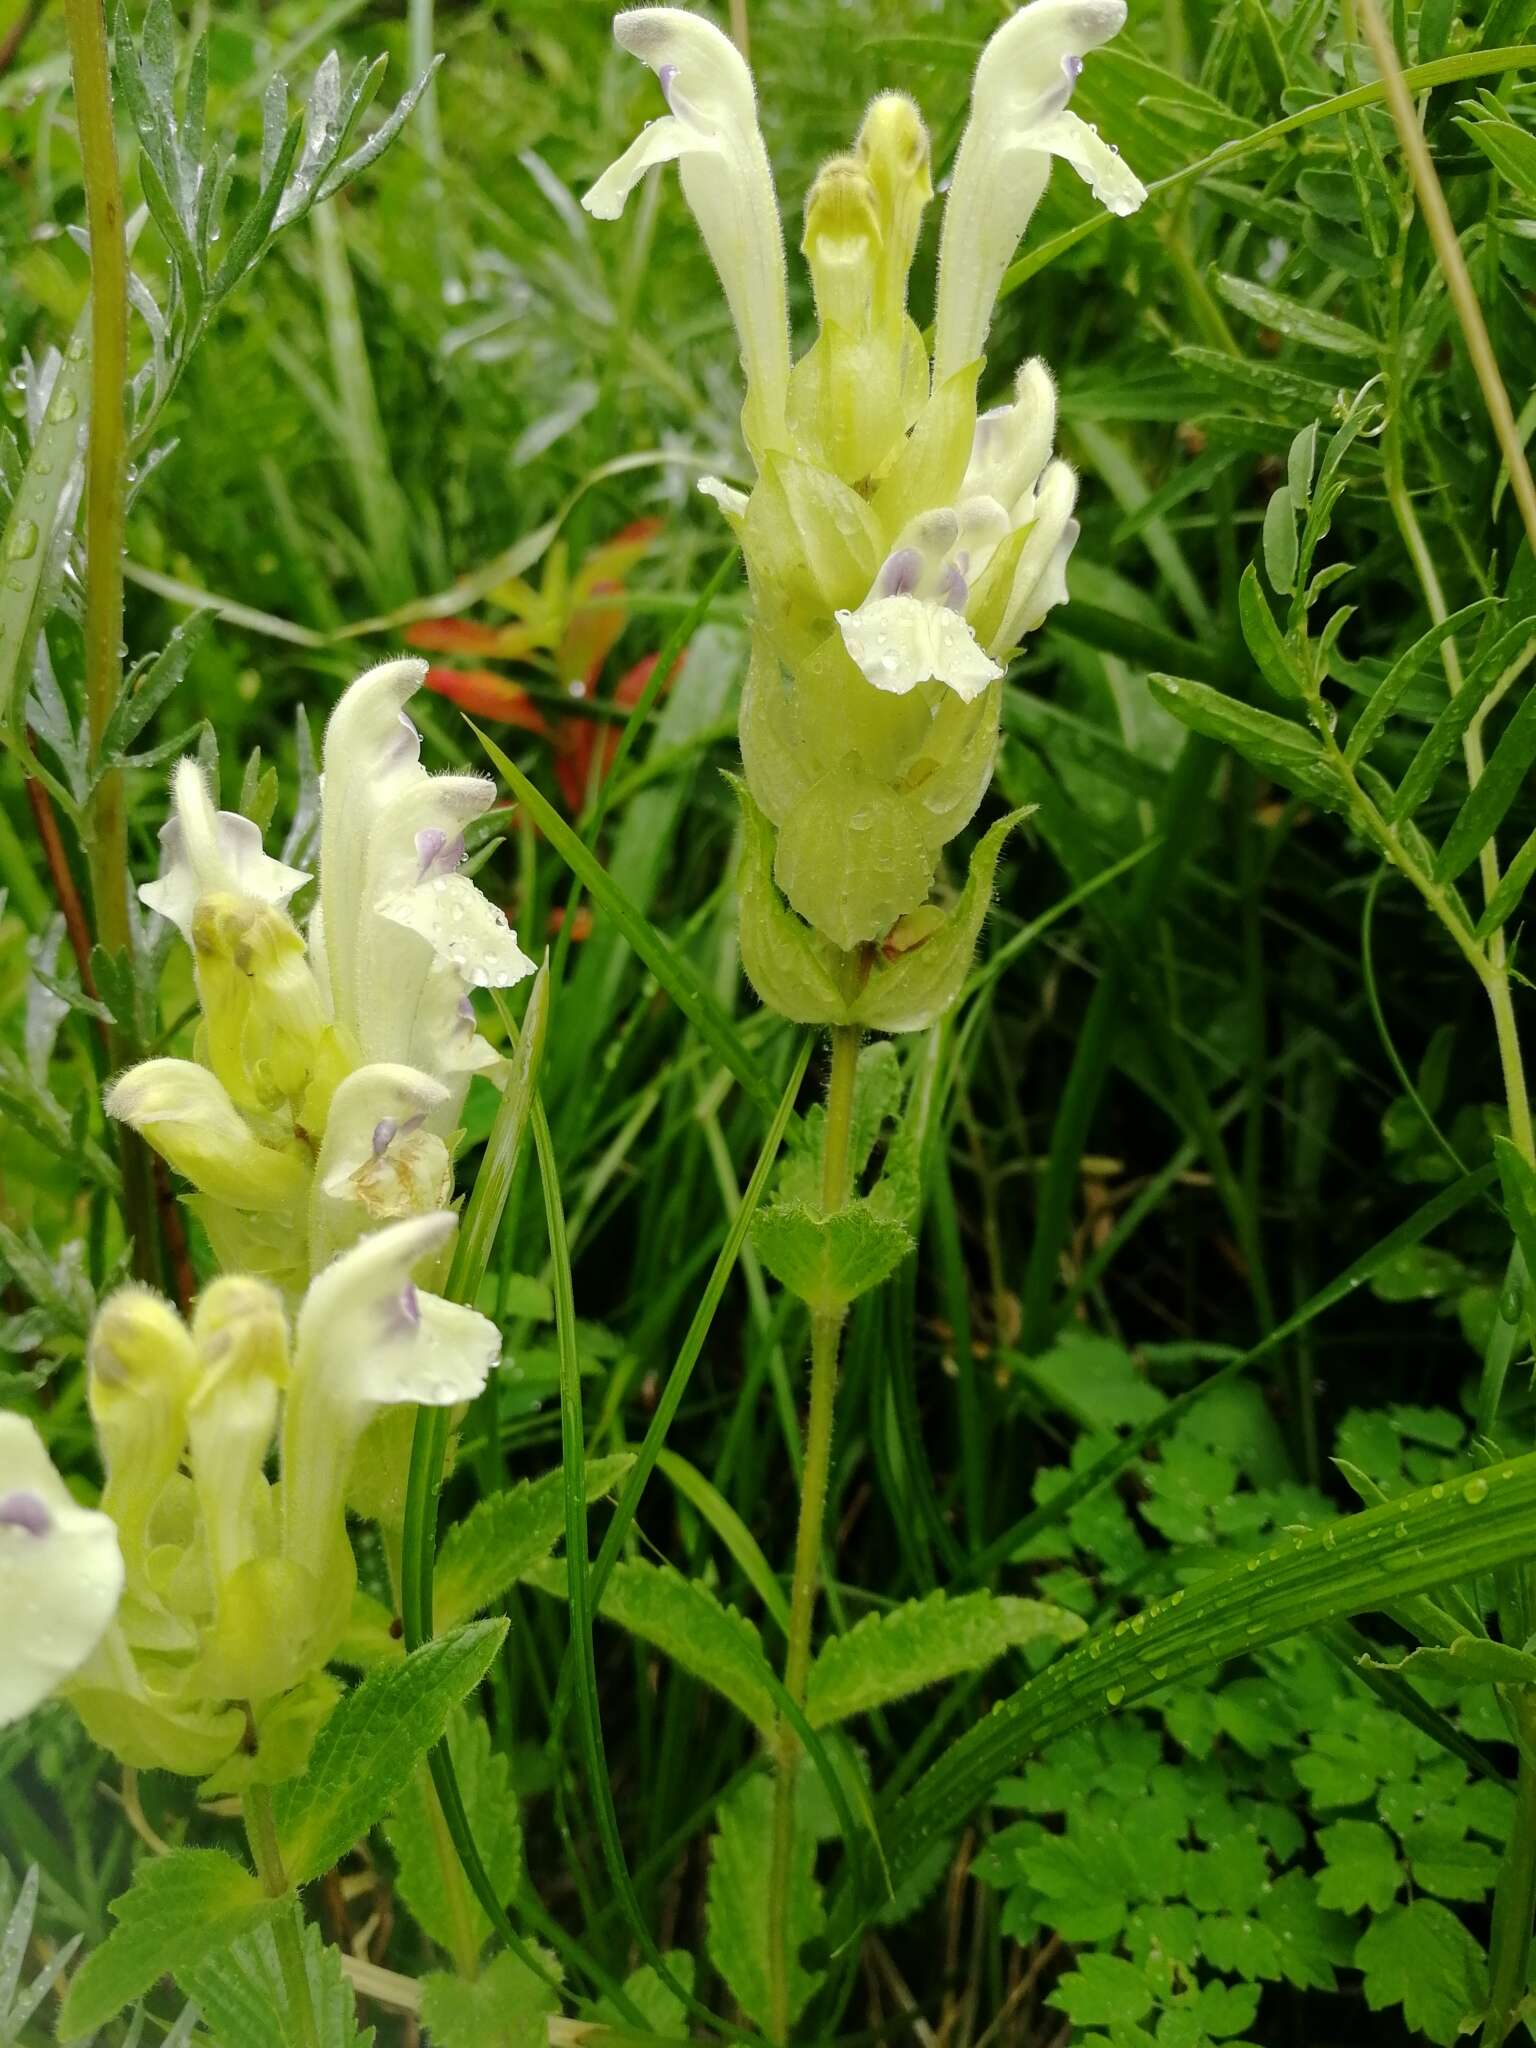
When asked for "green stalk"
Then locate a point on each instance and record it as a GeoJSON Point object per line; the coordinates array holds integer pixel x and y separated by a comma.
{"type": "Point", "coordinates": [826, 1337]}
{"type": "Point", "coordinates": [105, 516]}
{"type": "Point", "coordinates": [106, 454]}
{"type": "Point", "coordinates": [261, 1833]}
{"type": "Point", "coordinates": [1514, 1897]}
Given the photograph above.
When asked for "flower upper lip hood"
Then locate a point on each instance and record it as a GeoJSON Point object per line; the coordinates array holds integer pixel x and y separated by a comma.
{"type": "Point", "coordinates": [711, 132]}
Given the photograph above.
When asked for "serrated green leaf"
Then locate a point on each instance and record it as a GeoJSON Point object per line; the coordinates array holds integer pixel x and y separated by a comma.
{"type": "Point", "coordinates": [683, 1619]}
{"type": "Point", "coordinates": [740, 1864]}
{"type": "Point", "coordinates": [178, 1909]}
{"type": "Point", "coordinates": [1420, 1957]}
{"type": "Point", "coordinates": [373, 1743]}
{"type": "Point", "coordinates": [1289, 316]}
{"type": "Point", "coordinates": [1288, 752]}
{"type": "Point", "coordinates": [504, 1534]}
{"type": "Point", "coordinates": [829, 1261]}
{"type": "Point", "coordinates": [1103, 1991]}
{"type": "Point", "coordinates": [1438, 1535]}
{"type": "Point", "coordinates": [1362, 1869]}
{"type": "Point", "coordinates": [241, 1991]}
{"type": "Point", "coordinates": [506, 2007]}
{"type": "Point", "coordinates": [414, 1832]}
{"type": "Point", "coordinates": [886, 1656]}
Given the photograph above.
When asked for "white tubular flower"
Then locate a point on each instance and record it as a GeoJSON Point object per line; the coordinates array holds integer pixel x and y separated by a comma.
{"type": "Point", "coordinates": [911, 628]}
{"type": "Point", "coordinates": [1019, 121]}
{"type": "Point", "coordinates": [204, 851]}
{"type": "Point", "coordinates": [393, 909]}
{"type": "Point", "coordinates": [1013, 443]}
{"type": "Point", "coordinates": [1040, 575]}
{"type": "Point", "coordinates": [186, 1114]}
{"type": "Point", "coordinates": [61, 1574]}
{"type": "Point", "coordinates": [377, 1161]}
{"type": "Point", "coordinates": [713, 136]}
{"type": "Point", "coordinates": [368, 1338]}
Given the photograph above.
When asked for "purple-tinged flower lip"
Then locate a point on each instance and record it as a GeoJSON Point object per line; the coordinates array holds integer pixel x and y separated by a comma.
{"type": "Point", "coordinates": [27, 1512]}
{"type": "Point", "coordinates": [436, 853]}
{"type": "Point", "coordinates": [955, 590]}
{"type": "Point", "coordinates": [402, 1312]}
{"type": "Point", "coordinates": [899, 573]}
{"type": "Point", "coordinates": [1072, 65]}
{"type": "Point", "coordinates": [383, 1135]}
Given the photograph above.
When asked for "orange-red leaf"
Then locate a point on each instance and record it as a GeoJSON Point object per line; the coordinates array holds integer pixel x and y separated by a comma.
{"type": "Point", "coordinates": [487, 695]}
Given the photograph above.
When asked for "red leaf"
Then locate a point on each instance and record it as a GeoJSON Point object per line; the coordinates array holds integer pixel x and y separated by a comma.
{"type": "Point", "coordinates": [487, 695]}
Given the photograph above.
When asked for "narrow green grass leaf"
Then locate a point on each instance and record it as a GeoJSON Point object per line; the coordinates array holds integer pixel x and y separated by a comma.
{"type": "Point", "coordinates": [1407, 1545]}
{"type": "Point", "coordinates": [676, 974]}
{"type": "Point", "coordinates": [698, 1329]}
{"type": "Point", "coordinates": [578, 1589]}
{"type": "Point", "coordinates": [731, 1530]}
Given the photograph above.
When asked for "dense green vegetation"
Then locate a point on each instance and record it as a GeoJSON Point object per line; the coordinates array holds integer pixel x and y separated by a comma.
{"type": "Point", "coordinates": [1174, 1667]}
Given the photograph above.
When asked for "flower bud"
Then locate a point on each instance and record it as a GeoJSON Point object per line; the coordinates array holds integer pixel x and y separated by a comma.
{"type": "Point", "coordinates": [142, 1368]}
{"type": "Point", "coordinates": [893, 148]}
{"type": "Point", "coordinates": [241, 1336]}
{"type": "Point", "coordinates": [842, 244]}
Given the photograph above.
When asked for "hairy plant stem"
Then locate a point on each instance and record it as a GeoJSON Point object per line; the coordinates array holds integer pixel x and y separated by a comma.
{"type": "Point", "coordinates": [105, 512]}
{"type": "Point", "coordinates": [826, 1338]}
{"type": "Point", "coordinates": [261, 1833]}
